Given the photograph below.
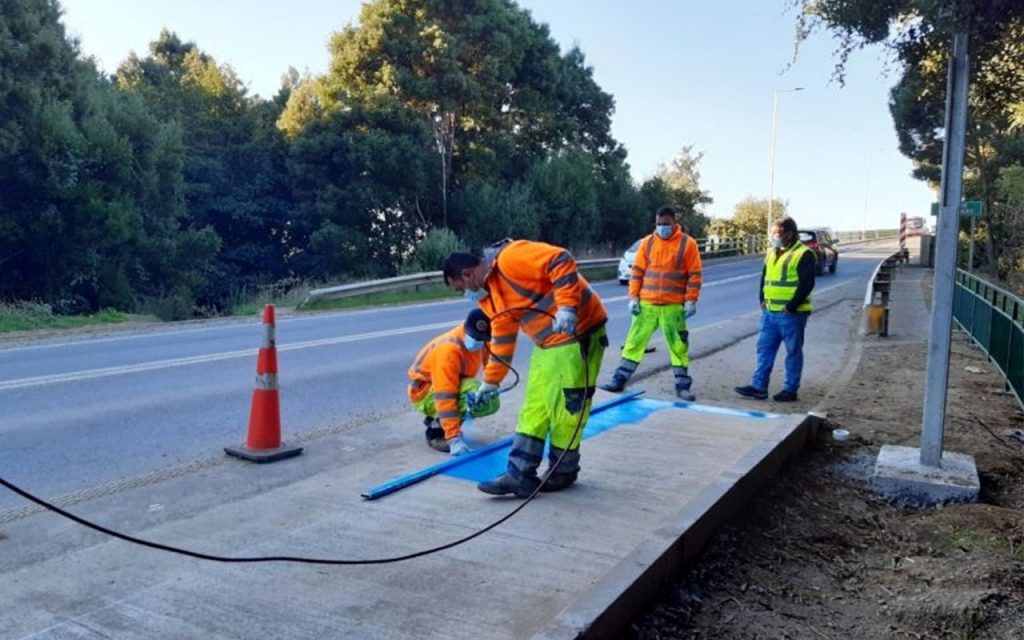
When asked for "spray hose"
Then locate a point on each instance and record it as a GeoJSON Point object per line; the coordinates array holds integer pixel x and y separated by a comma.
{"type": "Point", "coordinates": [330, 561]}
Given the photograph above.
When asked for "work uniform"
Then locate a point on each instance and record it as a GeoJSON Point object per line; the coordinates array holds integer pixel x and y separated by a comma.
{"type": "Point", "coordinates": [667, 273]}
{"type": "Point", "coordinates": [786, 284]}
{"type": "Point", "coordinates": [525, 282]}
{"type": "Point", "coordinates": [443, 378]}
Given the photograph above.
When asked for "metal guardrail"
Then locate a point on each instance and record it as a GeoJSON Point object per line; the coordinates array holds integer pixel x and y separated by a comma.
{"type": "Point", "coordinates": [994, 318]}
{"type": "Point", "coordinates": [876, 298]}
{"type": "Point", "coordinates": [710, 248]}
{"type": "Point", "coordinates": [875, 234]}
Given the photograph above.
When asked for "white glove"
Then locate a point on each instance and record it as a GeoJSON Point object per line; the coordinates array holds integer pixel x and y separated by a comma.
{"type": "Point", "coordinates": [457, 446]}
{"type": "Point", "coordinates": [634, 306]}
{"type": "Point", "coordinates": [484, 393]}
{"type": "Point", "coordinates": [565, 321]}
{"type": "Point", "coordinates": [691, 309]}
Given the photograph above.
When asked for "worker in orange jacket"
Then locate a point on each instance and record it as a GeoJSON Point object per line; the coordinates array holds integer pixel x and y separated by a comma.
{"type": "Point", "coordinates": [535, 287]}
{"type": "Point", "coordinates": [443, 382]}
{"type": "Point", "coordinates": [663, 290]}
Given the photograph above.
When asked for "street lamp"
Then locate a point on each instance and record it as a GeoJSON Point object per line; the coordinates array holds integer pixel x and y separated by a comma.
{"type": "Point", "coordinates": [771, 183]}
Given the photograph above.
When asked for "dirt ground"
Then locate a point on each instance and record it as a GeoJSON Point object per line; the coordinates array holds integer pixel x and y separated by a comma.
{"type": "Point", "coordinates": [820, 556]}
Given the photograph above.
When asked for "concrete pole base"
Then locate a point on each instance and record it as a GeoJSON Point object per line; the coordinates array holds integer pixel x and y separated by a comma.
{"type": "Point", "coordinates": [900, 476]}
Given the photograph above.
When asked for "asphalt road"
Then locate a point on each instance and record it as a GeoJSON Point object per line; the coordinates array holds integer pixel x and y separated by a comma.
{"type": "Point", "coordinates": [87, 412]}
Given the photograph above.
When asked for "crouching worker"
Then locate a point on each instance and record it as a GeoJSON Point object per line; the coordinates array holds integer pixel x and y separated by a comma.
{"type": "Point", "coordinates": [443, 382]}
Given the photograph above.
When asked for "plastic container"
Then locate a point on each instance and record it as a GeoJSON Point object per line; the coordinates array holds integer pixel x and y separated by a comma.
{"type": "Point", "coordinates": [840, 435]}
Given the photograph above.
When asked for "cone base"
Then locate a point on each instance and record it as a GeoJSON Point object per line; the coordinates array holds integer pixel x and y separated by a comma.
{"type": "Point", "coordinates": [263, 455]}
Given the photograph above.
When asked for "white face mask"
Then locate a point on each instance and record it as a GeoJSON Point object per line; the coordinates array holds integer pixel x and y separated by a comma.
{"type": "Point", "coordinates": [472, 344]}
{"type": "Point", "coordinates": [475, 295]}
{"type": "Point", "coordinates": [663, 231]}
{"type": "Point", "coordinates": [776, 243]}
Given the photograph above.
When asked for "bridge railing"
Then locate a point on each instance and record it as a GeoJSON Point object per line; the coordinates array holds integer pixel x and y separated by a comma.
{"type": "Point", "coordinates": [710, 248]}
{"type": "Point", "coordinates": [994, 318]}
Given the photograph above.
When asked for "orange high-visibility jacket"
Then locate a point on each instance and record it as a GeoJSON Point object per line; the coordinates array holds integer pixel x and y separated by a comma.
{"type": "Point", "coordinates": [667, 271]}
{"type": "Point", "coordinates": [538, 275]}
{"type": "Point", "coordinates": [441, 366]}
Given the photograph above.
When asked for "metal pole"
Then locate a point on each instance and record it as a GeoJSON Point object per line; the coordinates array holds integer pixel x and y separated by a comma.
{"type": "Point", "coordinates": [864, 221]}
{"type": "Point", "coordinates": [937, 375]}
{"type": "Point", "coordinates": [771, 162]}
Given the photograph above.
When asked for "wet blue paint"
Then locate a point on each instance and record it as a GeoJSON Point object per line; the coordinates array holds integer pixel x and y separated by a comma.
{"type": "Point", "coordinates": [485, 464]}
{"type": "Point", "coordinates": [633, 411]}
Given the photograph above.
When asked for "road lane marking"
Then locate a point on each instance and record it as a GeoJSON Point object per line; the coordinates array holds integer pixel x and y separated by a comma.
{"type": "Point", "coordinates": [214, 357]}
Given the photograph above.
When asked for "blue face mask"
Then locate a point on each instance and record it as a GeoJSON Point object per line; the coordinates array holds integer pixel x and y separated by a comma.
{"type": "Point", "coordinates": [475, 295]}
{"type": "Point", "coordinates": [776, 243]}
{"type": "Point", "coordinates": [472, 344]}
{"type": "Point", "coordinates": [664, 231]}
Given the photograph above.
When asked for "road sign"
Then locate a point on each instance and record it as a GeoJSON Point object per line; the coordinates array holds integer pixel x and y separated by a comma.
{"type": "Point", "coordinates": [968, 208]}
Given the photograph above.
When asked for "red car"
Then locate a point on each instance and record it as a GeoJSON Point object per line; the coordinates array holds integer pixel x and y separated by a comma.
{"type": "Point", "coordinates": [820, 241]}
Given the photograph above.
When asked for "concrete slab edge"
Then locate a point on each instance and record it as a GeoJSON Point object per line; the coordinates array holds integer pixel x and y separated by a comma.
{"type": "Point", "coordinates": [623, 592]}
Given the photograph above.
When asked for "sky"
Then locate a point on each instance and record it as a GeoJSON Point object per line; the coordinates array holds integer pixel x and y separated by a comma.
{"type": "Point", "coordinates": [682, 72]}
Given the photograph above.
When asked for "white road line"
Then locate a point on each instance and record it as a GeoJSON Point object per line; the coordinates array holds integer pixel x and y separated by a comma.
{"type": "Point", "coordinates": [214, 357]}
{"type": "Point", "coordinates": [90, 374]}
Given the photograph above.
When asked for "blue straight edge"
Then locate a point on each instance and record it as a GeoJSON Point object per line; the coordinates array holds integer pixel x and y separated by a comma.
{"type": "Point", "coordinates": [400, 483]}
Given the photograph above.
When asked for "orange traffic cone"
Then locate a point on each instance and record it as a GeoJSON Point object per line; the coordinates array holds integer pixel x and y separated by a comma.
{"type": "Point", "coordinates": [263, 444]}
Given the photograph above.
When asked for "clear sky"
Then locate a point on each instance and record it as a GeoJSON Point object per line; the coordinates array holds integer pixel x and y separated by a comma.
{"type": "Point", "coordinates": [681, 71]}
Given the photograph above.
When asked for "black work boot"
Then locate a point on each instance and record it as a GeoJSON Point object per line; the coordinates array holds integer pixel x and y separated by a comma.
{"type": "Point", "coordinates": [435, 435]}
{"type": "Point", "coordinates": [685, 394]}
{"type": "Point", "coordinates": [558, 481]}
{"type": "Point", "coordinates": [503, 485]}
{"type": "Point", "coordinates": [615, 385]}
{"type": "Point", "coordinates": [748, 391]}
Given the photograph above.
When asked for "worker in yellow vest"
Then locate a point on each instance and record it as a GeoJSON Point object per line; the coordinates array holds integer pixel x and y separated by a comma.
{"type": "Point", "coordinates": [663, 291]}
{"type": "Point", "coordinates": [786, 283]}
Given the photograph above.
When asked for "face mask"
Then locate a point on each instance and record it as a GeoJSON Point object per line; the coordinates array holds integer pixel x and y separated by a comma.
{"type": "Point", "coordinates": [472, 344]}
{"type": "Point", "coordinates": [663, 231]}
{"type": "Point", "coordinates": [475, 295]}
{"type": "Point", "coordinates": [776, 243]}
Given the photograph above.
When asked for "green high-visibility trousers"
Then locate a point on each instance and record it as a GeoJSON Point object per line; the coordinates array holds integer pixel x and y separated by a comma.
{"type": "Point", "coordinates": [467, 388]}
{"type": "Point", "coordinates": [672, 320]}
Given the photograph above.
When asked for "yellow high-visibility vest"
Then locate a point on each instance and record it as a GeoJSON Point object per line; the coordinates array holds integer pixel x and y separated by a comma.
{"type": "Point", "coordinates": [781, 278]}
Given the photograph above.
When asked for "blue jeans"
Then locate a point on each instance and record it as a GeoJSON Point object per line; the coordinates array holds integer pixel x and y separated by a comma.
{"type": "Point", "coordinates": [778, 328]}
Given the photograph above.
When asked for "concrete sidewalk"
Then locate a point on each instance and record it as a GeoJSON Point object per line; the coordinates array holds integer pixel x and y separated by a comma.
{"type": "Point", "coordinates": [578, 561]}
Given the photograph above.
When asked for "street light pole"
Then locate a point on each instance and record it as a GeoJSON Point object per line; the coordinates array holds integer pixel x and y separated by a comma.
{"type": "Point", "coordinates": [771, 160]}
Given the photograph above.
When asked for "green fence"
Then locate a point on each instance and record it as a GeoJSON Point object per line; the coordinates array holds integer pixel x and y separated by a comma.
{"type": "Point", "coordinates": [995, 318]}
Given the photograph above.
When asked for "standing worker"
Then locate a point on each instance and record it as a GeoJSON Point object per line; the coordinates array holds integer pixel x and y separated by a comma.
{"type": "Point", "coordinates": [535, 286]}
{"type": "Point", "coordinates": [443, 382]}
{"type": "Point", "coordinates": [786, 283]}
{"type": "Point", "coordinates": [663, 290]}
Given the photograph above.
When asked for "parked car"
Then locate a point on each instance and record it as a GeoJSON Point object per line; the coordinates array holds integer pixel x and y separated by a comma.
{"type": "Point", "coordinates": [820, 241]}
{"type": "Point", "coordinates": [626, 262]}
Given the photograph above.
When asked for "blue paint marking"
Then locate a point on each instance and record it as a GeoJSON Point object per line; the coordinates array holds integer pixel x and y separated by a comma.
{"type": "Point", "coordinates": [490, 460]}
{"type": "Point", "coordinates": [634, 411]}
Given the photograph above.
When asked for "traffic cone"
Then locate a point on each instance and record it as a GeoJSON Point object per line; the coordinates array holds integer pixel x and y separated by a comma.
{"type": "Point", "coordinates": [263, 444]}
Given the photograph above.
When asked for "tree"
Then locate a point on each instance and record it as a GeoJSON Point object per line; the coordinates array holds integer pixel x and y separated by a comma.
{"type": "Point", "coordinates": [488, 83]}
{"type": "Point", "coordinates": [683, 174]}
{"type": "Point", "coordinates": [919, 33]}
{"type": "Point", "coordinates": [751, 215]}
{"type": "Point", "coordinates": [91, 213]}
{"type": "Point", "coordinates": [234, 168]}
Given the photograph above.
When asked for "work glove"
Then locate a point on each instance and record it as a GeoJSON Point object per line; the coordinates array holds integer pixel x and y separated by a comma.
{"type": "Point", "coordinates": [457, 446]}
{"type": "Point", "coordinates": [565, 321]}
{"type": "Point", "coordinates": [691, 309]}
{"type": "Point", "coordinates": [634, 306]}
{"type": "Point", "coordinates": [483, 394]}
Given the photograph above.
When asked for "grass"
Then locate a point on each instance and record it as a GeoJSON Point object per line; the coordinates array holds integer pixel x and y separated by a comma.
{"type": "Point", "coordinates": [32, 316]}
{"type": "Point", "coordinates": [435, 292]}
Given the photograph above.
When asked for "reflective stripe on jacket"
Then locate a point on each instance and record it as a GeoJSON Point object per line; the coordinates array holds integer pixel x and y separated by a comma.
{"type": "Point", "coordinates": [781, 278]}
{"type": "Point", "coordinates": [526, 282]}
{"type": "Point", "coordinates": [441, 365]}
{"type": "Point", "coordinates": [667, 271]}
